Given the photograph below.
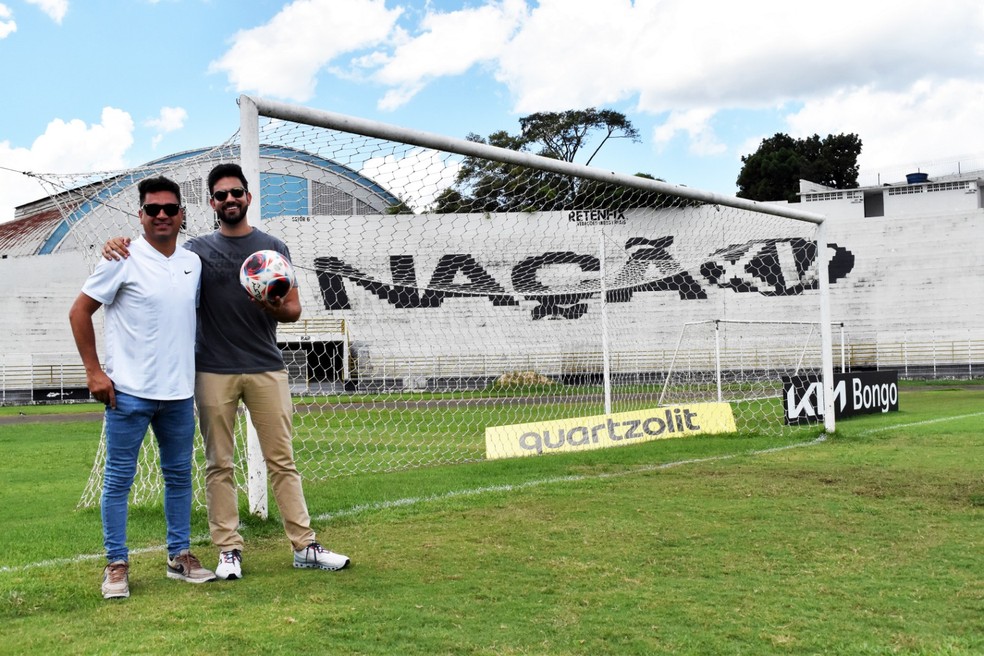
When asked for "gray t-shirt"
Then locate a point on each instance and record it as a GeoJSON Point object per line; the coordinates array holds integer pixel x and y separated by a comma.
{"type": "Point", "coordinates": [235, 336]}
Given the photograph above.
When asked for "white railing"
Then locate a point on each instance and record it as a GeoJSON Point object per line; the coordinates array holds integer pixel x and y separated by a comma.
{"type": "Point", "coordinates": [60, 377]}
{"type": "Point", "coordinates": [42, 378]}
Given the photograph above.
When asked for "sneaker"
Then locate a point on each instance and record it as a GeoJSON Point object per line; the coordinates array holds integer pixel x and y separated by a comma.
{"type": "Point", "coordinates": [186, 567]}
{"type": "Point", "coordinates": [314, 555]}
{"type": "Point", "coordinates": [230, 565]}
{"type": "Point", "coordinates": [116, 580]}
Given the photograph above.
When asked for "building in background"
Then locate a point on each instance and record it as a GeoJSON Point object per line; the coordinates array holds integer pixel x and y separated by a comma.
{"type": "Point", "coordinates": [49, 248]}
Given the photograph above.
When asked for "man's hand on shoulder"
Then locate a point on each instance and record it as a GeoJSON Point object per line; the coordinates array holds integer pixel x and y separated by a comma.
{"type": "Point", "coordinates": [116, 248]}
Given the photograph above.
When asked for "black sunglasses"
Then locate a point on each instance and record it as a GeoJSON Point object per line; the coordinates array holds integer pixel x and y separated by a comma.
{"type": "Point", "coordinates": [153, 209]}
{"type": "Point", "coordinates": [221, 195]}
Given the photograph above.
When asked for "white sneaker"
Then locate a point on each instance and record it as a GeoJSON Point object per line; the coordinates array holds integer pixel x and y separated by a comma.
{"type": "Point", "coordinates": [316, 556]}
{"type": "Point", "coordinates": [230, 565]}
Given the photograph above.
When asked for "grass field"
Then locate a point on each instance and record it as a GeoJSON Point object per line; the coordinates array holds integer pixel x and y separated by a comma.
{"type": "Point", "coordinates": [868, 542]}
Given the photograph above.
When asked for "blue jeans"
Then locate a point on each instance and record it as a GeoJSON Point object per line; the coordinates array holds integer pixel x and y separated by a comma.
{"type": "Point", "coordinates": [126, 426]}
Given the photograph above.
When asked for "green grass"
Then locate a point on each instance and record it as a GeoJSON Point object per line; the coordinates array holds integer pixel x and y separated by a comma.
{"type": "Point", "coordinates": [61, 409]}
{"type": "Point", "coordinates": [871, 542]}
{"type": "Point", "coordinates": [363, 437]}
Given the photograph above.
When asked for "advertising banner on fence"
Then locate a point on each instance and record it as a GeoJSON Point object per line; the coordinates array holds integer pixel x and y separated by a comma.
{"type": "Point", "coordinates": [601, 431]}
{"type": "Point", "coordinates": [49, 395]}
{"type": "Point", "coordinates": [856, 393]}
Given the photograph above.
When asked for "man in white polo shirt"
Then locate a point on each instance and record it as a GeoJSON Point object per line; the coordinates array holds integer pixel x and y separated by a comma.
{"type": "Point", "coordinates": [149, 380]}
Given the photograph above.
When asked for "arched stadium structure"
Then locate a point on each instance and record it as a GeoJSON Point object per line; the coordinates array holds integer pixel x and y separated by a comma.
{"type": "Point", "coordinates": [47, 251]}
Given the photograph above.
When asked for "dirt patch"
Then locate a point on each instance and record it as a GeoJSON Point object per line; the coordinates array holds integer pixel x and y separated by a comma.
{"type": "Point", "coordinates": [50, 419]}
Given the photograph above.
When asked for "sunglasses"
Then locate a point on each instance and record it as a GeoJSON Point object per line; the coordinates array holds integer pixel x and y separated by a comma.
{"type": "Point", "coordinates": [221, 195]}
{"type": "Point", "coordinates": [153, 209]}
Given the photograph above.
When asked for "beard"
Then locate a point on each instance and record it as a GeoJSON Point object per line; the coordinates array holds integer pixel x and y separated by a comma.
{"type": "Point", "coordinates": [231, 220]}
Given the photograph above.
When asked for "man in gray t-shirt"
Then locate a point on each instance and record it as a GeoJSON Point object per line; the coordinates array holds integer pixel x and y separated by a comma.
{"type": "Point", "coordinates": [233, 337]}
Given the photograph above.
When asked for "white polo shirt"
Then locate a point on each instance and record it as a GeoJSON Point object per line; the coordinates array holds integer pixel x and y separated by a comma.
{"type": "Point", "coordinates": [150, 302]}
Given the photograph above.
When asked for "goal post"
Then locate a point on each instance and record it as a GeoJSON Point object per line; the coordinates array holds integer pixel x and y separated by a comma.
{"type": "Point", "coordinates": [264, 121]}
{"type": "Point", "coordinates": [741, 362]}
{"type": "Point", "coordinates": [449, 286]}
{"type": "Point", "coordinates": [253, 109]}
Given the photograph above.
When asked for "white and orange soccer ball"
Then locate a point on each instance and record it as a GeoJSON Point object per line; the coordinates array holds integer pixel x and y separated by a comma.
{"type": "Point", "coordinates": [266, 275]}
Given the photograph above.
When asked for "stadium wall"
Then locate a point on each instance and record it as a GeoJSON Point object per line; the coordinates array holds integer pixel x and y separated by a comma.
{"type": "Point", "coordinates": [903, 277]}
{"type": "Point", "coordinates": [503, 265]}
{"type": "Point", "coordinates": [40, 291]}
{"type": "Point", "coordinates": [894, 279]}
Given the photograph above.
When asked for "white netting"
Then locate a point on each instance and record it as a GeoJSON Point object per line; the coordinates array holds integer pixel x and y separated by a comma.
{"type": "Point", "coordinates": [744, 363]}
{"type": "Point", "coordinates": [444, 293]}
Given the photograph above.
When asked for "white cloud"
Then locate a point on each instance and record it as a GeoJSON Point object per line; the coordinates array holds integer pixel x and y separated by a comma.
{"type": "Point", "coordinates": [400, 96]}
{"type": "Point", "coordinates": [572, 54]}
{"type": "Point", "coordinates": [450, 44]}
{"type": "Point", "coordinates": [689, 60]}
{"type": "Point", "coordinates": [7, 24]}
{"type": "Point", "coordinates": [416, 177]}
{"type": "Point", "coordinates": [695, 123]}
{"type": "Point", "coordinates": [680, 54]}
{"type": "Point", "coordinates": [283, 57]}
{"type": "Point", "coordinates": [169, 120]}
{"type": "Point", "coordinates": [56, 9]}
{"type": "Point", "coordinates": [684, 55]}
{"type": "Point", "coordinates": [929, 120]}
{"type": "Point", "coordinates": [64, 147]}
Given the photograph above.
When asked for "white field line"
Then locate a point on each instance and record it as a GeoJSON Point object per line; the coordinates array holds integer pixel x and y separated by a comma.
{"type": "Point", "coordinates": [494, 489]}
{"type": "Point", "coordinates": [938, 420]}
{"type": "Point", "coordinates": [61, 562]}
{"type": "Point", "coordinates": [413, 501]}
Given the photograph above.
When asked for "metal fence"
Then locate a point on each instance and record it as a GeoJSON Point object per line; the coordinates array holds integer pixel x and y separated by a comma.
{"type": "Point", "coordinates": [930, 360]}
{"type": "Point", "coordinates": [60, 377]}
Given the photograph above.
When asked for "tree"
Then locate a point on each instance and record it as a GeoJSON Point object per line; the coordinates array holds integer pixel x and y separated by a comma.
{"type": "Point", "coordinates": [488, 186]}
{"type": "Point", "coordinates": [774, 170]}
{"type": "Point", "coordinates": [561, 135]}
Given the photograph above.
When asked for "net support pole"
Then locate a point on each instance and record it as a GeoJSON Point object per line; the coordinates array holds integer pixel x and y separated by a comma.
{"type": "Point", "coordinates": [843, 352]}
{"type": "Point", "coordinates": [826, 340]}
{"type": "Point", "coordinates": [249, 152]}
{"type": "Point", "coordinates": [717, 358]}
{"type": "Point", "coordinates": [605, 356]}
{"type": "Point", "coordinates": [249, 157]}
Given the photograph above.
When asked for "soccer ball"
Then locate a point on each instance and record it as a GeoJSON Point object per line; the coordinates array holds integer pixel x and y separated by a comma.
{"type": "Point", "coordinates": [266, 275]}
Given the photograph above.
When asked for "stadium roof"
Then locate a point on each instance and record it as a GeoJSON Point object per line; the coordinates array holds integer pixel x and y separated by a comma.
{"type": "Point", "coordinates": [25, 236]}
{"type": "Point", "coordinates": [41, 227]}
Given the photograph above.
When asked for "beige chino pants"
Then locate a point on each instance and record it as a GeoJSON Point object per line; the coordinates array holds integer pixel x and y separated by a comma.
{"type": "Point", "coordinates": [267, 397]}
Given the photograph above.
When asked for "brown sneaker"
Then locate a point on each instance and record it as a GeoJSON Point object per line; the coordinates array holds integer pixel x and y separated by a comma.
{"type": "Point", "coordinates": [116, 580]}
{"type": "Point", "coordinates": [186, 567]}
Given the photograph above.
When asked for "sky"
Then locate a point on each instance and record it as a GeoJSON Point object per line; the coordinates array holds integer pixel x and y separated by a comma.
{"type": "Point", "coordinates": [102, 85]}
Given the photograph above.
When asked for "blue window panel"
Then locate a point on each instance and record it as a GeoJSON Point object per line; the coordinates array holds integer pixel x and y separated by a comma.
{"type": "Point", "coordinates": [283, 195]}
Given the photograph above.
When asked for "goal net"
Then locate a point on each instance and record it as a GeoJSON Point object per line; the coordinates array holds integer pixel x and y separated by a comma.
{"type": "Point", "coordinates": [746, 363]}
{"type": "Point", "coordinates": [449, 286]}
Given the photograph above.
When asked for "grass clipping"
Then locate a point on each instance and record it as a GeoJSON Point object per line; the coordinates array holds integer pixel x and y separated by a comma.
{"type": "Point", "coordinates": [523, 379]}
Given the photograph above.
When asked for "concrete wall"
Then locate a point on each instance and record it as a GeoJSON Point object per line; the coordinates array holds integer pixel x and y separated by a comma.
{"type": "Point", "coordinates": [40, 291]}
{"type": "Point", "coordinates": [902, 277]}
{"type": "Point", "coordinates": [520, 283]}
